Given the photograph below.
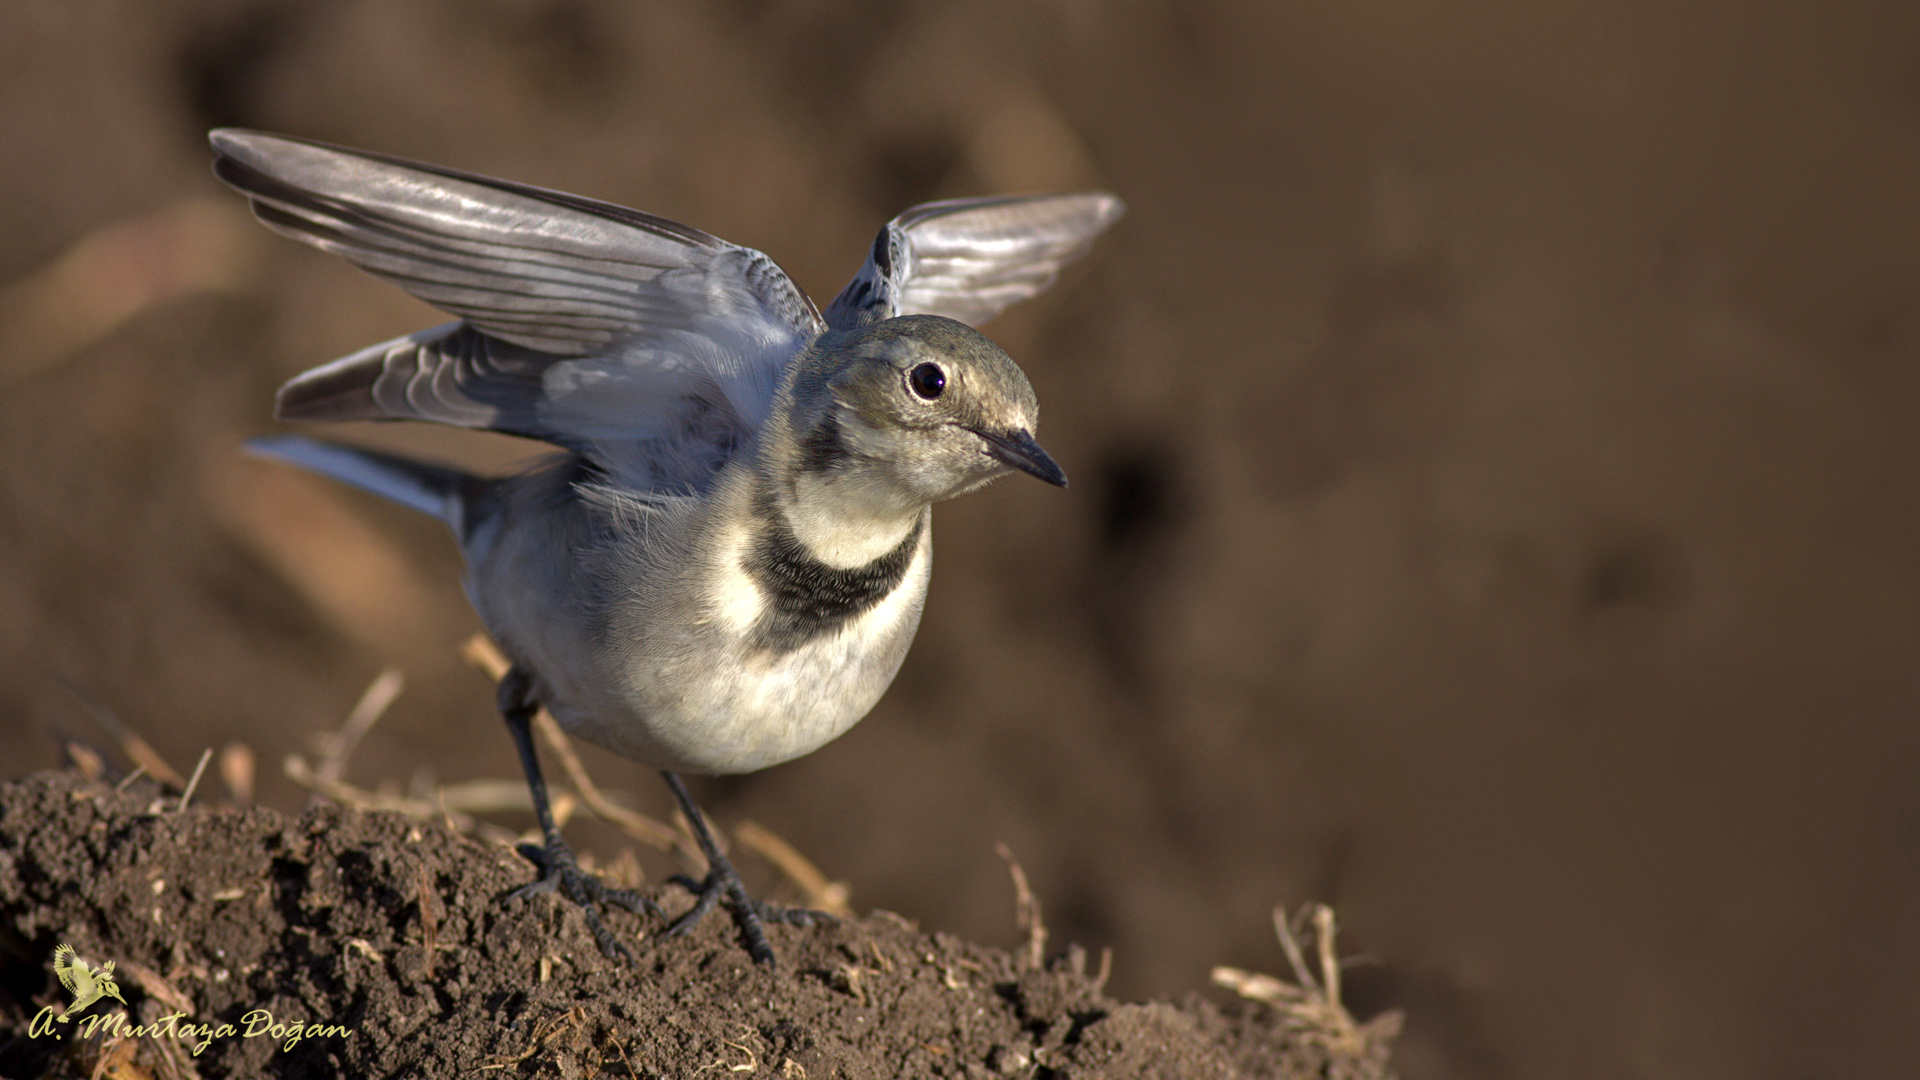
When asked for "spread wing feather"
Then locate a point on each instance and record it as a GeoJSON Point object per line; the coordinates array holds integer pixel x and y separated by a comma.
{"type": "Point", "coordinates": [971, 259]}
{"type": "Point", "coordinates": [63, 963]}
{"type": "Point", "coordinates": [583, 322]}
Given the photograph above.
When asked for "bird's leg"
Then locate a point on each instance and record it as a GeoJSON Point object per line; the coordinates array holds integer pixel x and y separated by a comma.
{"type": "Point", "coordinates": [724, 882]}
{"type": "Point", "coordinates": [559, 870]}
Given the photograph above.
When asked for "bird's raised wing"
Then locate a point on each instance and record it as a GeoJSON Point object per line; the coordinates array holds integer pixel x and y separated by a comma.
{"type": "Point", "coordinates": [63, 963]}
{"type": "Point", "coordinates": [582, 321]}
{"type": "Point", "coordinates": [970, 259]}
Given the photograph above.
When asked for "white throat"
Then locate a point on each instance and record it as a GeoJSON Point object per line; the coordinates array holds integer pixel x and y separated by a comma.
{"type": "Point", "coordinates": [843, 522]}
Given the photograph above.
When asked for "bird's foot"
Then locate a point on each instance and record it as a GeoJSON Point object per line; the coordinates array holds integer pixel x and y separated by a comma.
{"type": "Point", "coordinates": [560, 873]}
{"type": "Point", "coordinates": [750, 915]}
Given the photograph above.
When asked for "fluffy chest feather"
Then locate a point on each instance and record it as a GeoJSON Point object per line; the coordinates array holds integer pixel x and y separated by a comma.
{"type": "Point", "coordinates": [800, 650]}
{"type": "Point", "coordinates": [802, 598]}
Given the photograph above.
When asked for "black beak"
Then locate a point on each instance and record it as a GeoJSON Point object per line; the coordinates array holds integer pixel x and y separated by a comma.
{"type": "Point", "coordinates": [1018, 449]}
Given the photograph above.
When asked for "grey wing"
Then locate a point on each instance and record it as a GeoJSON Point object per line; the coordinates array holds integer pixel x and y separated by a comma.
{"type": "Point", "coordinates": [453, 374]}
{"type": "Point", "coordinates": [583, 321]}
{"type": "Point", "coordinates": [970, 259]}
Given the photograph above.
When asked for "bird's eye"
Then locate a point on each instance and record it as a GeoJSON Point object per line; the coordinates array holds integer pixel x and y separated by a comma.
{"type": "Point", "coordinates": [927, 381]}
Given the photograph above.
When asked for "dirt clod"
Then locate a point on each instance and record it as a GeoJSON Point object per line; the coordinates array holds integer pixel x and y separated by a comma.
{"type": "Point", "coordinates": [318, 922]}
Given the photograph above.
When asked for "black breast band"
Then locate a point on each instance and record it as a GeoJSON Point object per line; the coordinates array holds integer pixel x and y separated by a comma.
{"type": "Point", "coordinates": [807, 598]}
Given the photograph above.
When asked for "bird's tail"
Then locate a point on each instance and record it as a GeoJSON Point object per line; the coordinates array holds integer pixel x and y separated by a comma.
{"type": "Point", "coordinates": [439, 490]}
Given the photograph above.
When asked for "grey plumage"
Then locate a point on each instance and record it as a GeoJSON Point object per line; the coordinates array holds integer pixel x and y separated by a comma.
{"type": "Point", "coordinates": [725, 566]}
{"type": "Point", "coordinates": [431, 489]}
{"type": "Point", "coordinates": [971, 259]}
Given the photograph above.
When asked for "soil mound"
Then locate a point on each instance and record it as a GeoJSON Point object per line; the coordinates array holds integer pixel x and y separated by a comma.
{"type": "Point", "coordinates": [360, 943]}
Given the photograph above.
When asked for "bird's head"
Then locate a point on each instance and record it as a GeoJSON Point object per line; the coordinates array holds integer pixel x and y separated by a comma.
{"type": "Point", "coordinates": [103, 982]}
{"type": "Point", "coordinates": [920, 404]}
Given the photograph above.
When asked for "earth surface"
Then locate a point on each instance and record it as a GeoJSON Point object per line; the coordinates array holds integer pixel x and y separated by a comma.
{"type": "Point", "coordinates": [370, 944]}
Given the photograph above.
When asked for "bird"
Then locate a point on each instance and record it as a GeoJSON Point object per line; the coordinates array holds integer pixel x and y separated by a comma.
{"type": "Point", "coordinates": [722, 563]}
{"type": "Point", "coordinates": [86, 985]}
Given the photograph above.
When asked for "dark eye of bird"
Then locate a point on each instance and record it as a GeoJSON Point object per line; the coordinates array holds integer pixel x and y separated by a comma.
{"type": "Point", "coordinates": [927, 380]}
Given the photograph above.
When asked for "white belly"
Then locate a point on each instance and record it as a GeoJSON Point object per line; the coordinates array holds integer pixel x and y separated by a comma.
{"type": "Point", "coordinates": [725, 705]}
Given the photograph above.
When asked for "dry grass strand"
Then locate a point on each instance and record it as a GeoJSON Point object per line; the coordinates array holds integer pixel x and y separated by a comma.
{"type": "Point", "coordinates": [137, 749]}
{"type": "Point", "coordinates": [1026, 911]}
{"type": "Point", "coordinates": [1310, 1005]}
{"type": "Point", "coordinates": [821, 894]}
{"type": "Point", "coordinates": [336, 747]}
{"type": "Point", "coordinates": [429, 920]}
{"type": "Point", "coordinates": [193, 784]}
{"type": "Point", "coordinates": [86, 760]}
{"type": "Point", "coordinates": [236, 771]}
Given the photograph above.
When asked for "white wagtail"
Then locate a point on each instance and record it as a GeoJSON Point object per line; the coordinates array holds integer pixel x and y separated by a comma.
{"type": "Point", "coordinates": [723, 569]}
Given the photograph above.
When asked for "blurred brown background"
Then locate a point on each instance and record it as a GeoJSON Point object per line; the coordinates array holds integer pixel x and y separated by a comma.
{"type": "Point", "coordinates": [1492, 432]}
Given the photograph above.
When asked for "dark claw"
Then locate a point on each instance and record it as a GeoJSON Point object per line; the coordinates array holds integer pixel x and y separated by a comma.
{"type": "Point", "coordinates": [749, 914]}
{"type": "Point", "coordinates": [559, 873]}
{"type": "Point", "coordinates": [795, 916]}
{"type": "Point", "coordinates": [723, 883]}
